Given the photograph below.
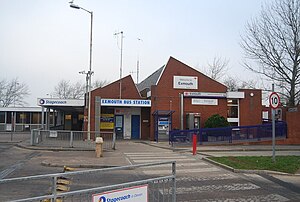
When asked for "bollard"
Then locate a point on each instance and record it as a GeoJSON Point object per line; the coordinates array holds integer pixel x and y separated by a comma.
{"type": "Point", "coordinates": [194, 144]}
{"type": "Point", "coordinates": [99, 147]}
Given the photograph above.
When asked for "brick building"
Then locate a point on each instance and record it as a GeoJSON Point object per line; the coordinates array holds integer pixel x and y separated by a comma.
{"type": "Point", "coordinates": [175, 96]}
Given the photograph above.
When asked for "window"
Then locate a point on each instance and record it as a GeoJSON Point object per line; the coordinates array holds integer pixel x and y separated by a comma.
{"type": "Point", "coordinates": [232, 108]}
{"type": "Point", "coordinates": [23, 117]}
{"type": "Point", "coordinates": [8, 118]}
{"type": "Point", "coordinates": [233, 112]}
{"type": "Point", "coordinates": [36, 118]}
{"type": "Point", "coordinates": [2, 117]}
{"type": "Point", "coordinates": [232, 102]}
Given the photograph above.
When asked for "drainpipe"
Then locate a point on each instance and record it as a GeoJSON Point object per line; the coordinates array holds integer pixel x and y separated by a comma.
{"type": "Point", "coordinates": [181, 111]}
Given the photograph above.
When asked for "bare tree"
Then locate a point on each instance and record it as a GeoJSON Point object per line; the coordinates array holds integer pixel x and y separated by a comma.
{"type": "Point", "coordinates": [217, 68]}
{"type": "Point", "coordinates": [66, 90]}
{"type": "Point", "coordinates": [99, 84]}
{"type": "Point", "coordinates": [13, 93]}
{"type": "Point", "coordinates": [233, 84]}
{"type": "Point", "coordinates": [272, 40]}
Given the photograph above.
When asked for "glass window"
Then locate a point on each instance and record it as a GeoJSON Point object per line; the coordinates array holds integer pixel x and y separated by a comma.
{"type": "Point", "coordinates": [23, 117]}
{"type": "Point", "coordinates": [8, 118]}
{"type": "Point", "coordinates": [19, 117]}
{"type": "Point", "coordinates": [51, 118]}
{"type": "Point", "coordinates": [232, 112]}
{"type": "Point", "coordinates": [232, 101]}
{"type": "Point", "coordinates": [27, 117]}
{"type": "Point", "coordinates": [36, 118]}
{"type": "Point", "coordinates": [2, 117]}
{"type": "Point", "coordinates": [234, 124]}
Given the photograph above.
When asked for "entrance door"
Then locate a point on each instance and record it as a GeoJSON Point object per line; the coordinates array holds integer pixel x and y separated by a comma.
{"type": "Point", "coordinates": [135, 127]}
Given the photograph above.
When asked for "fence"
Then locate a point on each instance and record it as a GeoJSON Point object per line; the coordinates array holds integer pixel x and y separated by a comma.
{"type": "Point", "coordinates": [229, 134]}
{"type": "Point", "coordinates": [85, 184]}
{"type": "Point", "coordinates": [63, 138]}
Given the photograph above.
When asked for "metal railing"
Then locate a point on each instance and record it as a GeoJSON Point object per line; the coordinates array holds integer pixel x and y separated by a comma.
{"type": "Point", "coordinates": [84, 184]}
{"type": "Point", "coordinates": [76, 139]}
{"type": "Point", "coordinates": [229, 134]}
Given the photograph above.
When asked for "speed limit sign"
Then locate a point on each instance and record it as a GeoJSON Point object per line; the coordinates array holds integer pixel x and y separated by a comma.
{"type": "Point", "coordinates": [274, 100]}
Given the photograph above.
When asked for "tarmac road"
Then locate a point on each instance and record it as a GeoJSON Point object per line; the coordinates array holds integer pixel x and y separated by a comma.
{"type": "Point", "coordinates": [197, 180]}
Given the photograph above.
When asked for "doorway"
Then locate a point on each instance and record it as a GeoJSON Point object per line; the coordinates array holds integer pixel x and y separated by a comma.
{"type": "Point", "coordinates": [135, 127]}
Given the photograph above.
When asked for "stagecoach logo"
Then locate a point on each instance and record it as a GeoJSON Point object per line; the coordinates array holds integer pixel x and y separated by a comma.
{"type": "Point", "coordinates": [42, 101]}
{"type": "Point", "coordinates": [102, 199]}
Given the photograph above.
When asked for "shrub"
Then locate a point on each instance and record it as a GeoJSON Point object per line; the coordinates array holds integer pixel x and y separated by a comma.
{"type": "Point", "coordinates": [216, 121]}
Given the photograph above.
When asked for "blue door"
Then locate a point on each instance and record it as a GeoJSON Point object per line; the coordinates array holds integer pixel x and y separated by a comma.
{"type": "Point", "coordinates": [135, 127]}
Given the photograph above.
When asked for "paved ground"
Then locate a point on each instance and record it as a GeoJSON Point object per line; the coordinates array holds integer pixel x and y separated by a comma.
{"type": "Point", "coordinates": [197, 180]}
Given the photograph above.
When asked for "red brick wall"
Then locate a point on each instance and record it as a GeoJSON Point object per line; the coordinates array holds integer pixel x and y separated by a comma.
{"type": "Point", "coordinates": [251, 107]}
{"type": "Point", "coordinates": [165, 97]}
{"type": "Point", "coordinates": [129, 91]}
{"type": "Point", "coordinates": [292, 119]}
{"type": "Point", "coordinates": [145, 123]}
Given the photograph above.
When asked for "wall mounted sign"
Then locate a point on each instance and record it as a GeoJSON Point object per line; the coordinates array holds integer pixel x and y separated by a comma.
{"type": "Point", "coordinates": [204, 94]}
{"type": "Point", "coordinates": [60, 102]}
{"type": "Point", "coordinates": [107, 121]}
{"type": "Point", "coordinates": [196, 101]}
{"type": "Point", "coordinates": [185, 82]}
{"type": "Point", "coordinates": [125, 102]}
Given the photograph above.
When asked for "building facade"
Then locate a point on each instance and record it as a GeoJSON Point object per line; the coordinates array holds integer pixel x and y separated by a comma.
{"type": "Point", "coordinates": [175, 96]}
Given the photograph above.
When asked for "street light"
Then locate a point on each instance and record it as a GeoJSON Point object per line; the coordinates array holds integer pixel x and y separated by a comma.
{"type": "Point", "coordinates": [89, 73]}
{"type": "Point", "coordinates": [121, 61]}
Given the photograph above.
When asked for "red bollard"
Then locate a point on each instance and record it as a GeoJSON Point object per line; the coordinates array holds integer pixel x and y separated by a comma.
{"type": "Point", "coordinates": [194, 144]}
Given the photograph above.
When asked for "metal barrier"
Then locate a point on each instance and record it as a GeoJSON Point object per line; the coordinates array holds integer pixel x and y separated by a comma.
{"type": "Point", "coordinates": [63, 138]}
{"type": "Point", "coordinates": [87, 183]}
{"type": "Point", "coordinates": [229, 134]}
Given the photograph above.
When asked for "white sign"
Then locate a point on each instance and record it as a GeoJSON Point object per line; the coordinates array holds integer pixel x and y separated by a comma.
{"type": "Point", "coordinates": [53, 133]}
{"type": "Point", "coordinates": [126, 102]}
{"type": "Point", "coordinates": [204, 101]}
{"type": "Point", "coordinates": [185, 82]}
{"type": "Point", "coordinates": [204, 94]}
{"type": "Point", "coordinates": [274, 100]}
{"type": "Point", "coordinates": [131, 194]}
{"type": "Point", "coordinates": [60, 102]}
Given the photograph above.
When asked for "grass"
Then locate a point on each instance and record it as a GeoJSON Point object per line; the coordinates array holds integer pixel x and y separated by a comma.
{"type": "Point", "coordinates": [287, 164]}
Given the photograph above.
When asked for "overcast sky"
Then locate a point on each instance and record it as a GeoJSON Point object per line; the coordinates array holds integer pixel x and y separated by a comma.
{"type": "Point", "coordinates": [43, 42]}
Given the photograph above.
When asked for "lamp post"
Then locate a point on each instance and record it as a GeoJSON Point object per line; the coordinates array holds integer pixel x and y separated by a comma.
{"type": "Point", "coordinates": [121, 62]}
{"type": "Point", "coordinates": [89, 73]}
{"type": "Point", "coordinates": [86, 85]}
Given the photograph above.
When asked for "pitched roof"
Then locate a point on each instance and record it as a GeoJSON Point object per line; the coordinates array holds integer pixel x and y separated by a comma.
{"type": "Point", "coordinates": [150, 80]}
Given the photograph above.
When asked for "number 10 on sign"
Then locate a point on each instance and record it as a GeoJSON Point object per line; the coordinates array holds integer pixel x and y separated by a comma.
{"type": "Point", "coordinates": [274, 100]}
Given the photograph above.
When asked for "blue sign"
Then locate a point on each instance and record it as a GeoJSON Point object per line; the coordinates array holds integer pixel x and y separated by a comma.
{"type": "Point", "coordinates": [125, 102]}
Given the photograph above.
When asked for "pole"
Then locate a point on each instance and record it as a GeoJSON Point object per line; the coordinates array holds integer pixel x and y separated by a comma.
{"type": "Point", "coordinates": [89, 74]}
{"type": "Point", "coordinates": [194, 144]}
{"type": "Point", "coordinates": [90, 80]}
{"type": "Point", "coordinates": [121, 64]}
{"type": "Point", "coordinates": [181, 111]}
{"type": "Point", "coordinates": [43, 117]}
{"type": "Point", "coordinates": [273, 131]}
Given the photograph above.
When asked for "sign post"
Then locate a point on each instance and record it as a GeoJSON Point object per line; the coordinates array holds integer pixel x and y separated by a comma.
{"type": "Point", "coordinates": [274, 101]}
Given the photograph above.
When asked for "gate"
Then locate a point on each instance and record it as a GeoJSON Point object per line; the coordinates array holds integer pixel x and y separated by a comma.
{"type": "Point", "coordinates": [87, 184]}
{"type": "Point", "coordinates": [229, 134]}
{"type": "Point", "coordinates": [64, 138]}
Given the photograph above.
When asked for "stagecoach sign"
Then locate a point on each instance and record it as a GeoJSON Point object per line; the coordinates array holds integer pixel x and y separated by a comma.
{"type": "Point", "coordinates": [60, 102]}
{"type": "Point", "coordinates": [129, 194]}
